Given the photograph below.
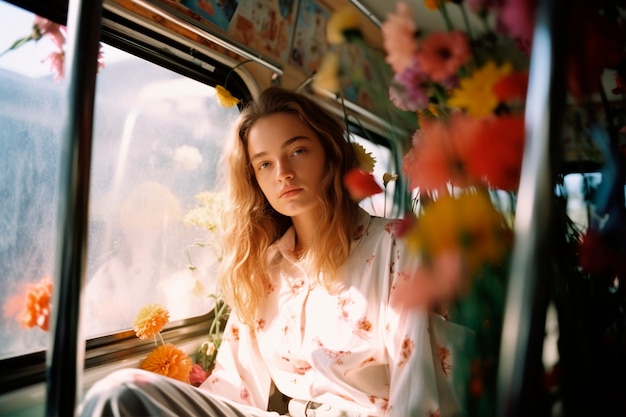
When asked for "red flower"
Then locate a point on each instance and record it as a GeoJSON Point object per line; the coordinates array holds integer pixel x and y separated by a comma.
{"type": "Point", "coordinates": [361, 184]}
{"type": "Point", "coordinates": [496, 151]}
{"type": "Point", "coordinates": [597, 255]}
{"type": "Point", "coordinates": [512, 87]}
{"type": "Point", "coordinates": [586, 61]}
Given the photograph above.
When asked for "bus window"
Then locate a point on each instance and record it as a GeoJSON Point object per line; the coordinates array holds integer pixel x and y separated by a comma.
{"type": "Point", "coordinates": [30, 102]}
{"type": "Point", "coordinates": [156, 141]}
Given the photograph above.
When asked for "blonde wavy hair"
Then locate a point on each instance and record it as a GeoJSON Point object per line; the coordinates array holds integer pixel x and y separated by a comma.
{"type": "Point", "coordinates": [252, 225]}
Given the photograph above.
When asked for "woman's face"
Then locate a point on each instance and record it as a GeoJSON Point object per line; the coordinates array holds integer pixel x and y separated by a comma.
{"type": "Point", "coordinates": [288, 162]}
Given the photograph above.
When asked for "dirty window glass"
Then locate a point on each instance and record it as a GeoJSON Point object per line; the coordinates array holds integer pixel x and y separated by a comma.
{"type": "Point", "coordinates": [157, 138]}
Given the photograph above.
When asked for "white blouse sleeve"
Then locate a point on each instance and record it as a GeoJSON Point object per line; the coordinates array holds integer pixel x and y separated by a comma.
{"type": "Point", "coordinates": [421, 348]}
{"type": "Point", "coordinates": [240, 374]}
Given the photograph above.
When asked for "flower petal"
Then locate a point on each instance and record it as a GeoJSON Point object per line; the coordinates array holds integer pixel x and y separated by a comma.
{"type": "Point", "coordinates": [169, 361]}
{"type": "Point", "coordinates": [361, 184]}
{"type": "Point", "coordinates": [366, 160]}
{"type": "Point", "coordinates": [224, 97]}
{"type": "Point", "coordinates": [342, 25]}
{"type": "Point", "coordinates": [150, 320]}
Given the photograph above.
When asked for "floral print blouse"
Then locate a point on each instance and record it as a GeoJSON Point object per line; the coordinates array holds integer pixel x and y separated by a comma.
{"type": "Point", "coordinates": [348, 347]}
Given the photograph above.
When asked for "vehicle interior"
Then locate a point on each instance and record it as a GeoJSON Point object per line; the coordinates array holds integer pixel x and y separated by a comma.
{"type": "Point", "coordinates": [112, 126]}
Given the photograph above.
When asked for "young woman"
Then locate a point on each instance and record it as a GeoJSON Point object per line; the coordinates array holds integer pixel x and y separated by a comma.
{"type": "Point", "coordinates": [309, 276]}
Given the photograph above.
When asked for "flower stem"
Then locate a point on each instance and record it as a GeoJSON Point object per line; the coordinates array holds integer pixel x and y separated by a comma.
{"type": "Point", "coordinates": [233, 70]}
{"type": "Point", "coordinates": [18, 43]}
{"type": "Point", "coordinates": [445, 15]}
{"type": "Point", "coordinates": [217, 318]}
{"type": "Point", "coordinates": [468, 28]}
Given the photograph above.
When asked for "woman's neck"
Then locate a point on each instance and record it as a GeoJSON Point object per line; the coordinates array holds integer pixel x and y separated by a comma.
{"type": "Point", "coordinates": [305, 227]}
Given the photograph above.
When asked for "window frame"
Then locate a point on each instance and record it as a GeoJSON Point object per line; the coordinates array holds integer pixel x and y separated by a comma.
{"type": "Point", "coordinates": [25, 370]}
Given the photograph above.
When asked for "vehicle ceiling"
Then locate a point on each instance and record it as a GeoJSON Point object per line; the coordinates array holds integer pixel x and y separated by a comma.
{"type": "Point", "coordinates": [426, 20]}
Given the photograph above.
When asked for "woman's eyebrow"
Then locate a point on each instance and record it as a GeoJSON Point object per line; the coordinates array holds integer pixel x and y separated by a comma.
{"type": "Point", "coordinates": [284, 145]}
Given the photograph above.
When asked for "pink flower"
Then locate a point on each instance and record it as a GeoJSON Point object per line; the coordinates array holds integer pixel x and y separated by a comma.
{"type": "Point", "coordinates": [408, 89]}
{"type": "Point", "coordinates": [399, 38]}
{"type": "Point", "coordinates": [443, 53]}
{"type": "Point", "coordinates": [100, 57]}
{"type": "Point", "coordinates": [57, 64]}
{"type": "Point", "coordinates": [440, 282]}
{"type": "Point", "coordinates": [57, 34]}
{"type": "Point", "coordinates": [517, 19]}
{"type": "Point", "coordinates": [197, 375]}
{"type": "Point", "coordinates": [414, 292]}
{"type": "Point", "coordinates": [53, 30]}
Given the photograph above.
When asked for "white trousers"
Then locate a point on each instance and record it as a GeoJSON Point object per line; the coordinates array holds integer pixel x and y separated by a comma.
{"type": "Point", "coordinates": [138, 393]}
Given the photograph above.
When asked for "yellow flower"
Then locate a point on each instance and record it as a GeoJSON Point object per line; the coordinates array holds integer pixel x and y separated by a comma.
{"type": "Point", "coordinates": [150, 320]}
{"type": "Point", "coordinates": [327, 77]}
{"type": "Point", "coordinates": [343, 25]}
{"type": "Point", "coordinates": [468, 223]}
{"type": "Point", "coordinates": [476, 93]}
{"type": "Point", "coordinates": [366, 160]}
{"type": "Point", "coordinates": [224, 98]}
{"type": "Point", "coordinates": [169, 361]}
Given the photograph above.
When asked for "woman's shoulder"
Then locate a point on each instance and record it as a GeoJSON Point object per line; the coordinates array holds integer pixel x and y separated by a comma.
{"type": "Point", "coordinates": [387, 225]}
{"type": "Point", "coordinates": [376, 227]}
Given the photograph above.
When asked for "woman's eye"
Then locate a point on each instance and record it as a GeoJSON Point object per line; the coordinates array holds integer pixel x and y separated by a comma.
{"type": "Point", "coordinates": [298, 152]}
{"type": "Point", "coordinates": [264, 165]}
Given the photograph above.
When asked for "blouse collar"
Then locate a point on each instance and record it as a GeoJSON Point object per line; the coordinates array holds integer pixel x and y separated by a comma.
{"type": "Point", "coordinates": [287, 243]}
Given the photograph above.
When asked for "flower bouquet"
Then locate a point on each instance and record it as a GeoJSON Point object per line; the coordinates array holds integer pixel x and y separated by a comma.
{"type": "Point", "coordinates": [466, 86]}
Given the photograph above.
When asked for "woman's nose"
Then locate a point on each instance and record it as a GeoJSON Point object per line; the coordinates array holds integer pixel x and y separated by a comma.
{"type": "Point", "coordinates": [285, 171]}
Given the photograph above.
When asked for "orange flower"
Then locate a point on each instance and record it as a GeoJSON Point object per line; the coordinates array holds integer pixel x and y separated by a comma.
{"type": "Point", "coordinates": [36, 310]}
{"type": "Point", "coordinates": [169, 361]}
{"type": "Point", "coordinates": [437, 156]}
{"type": "Point", "coordinates": [150, 321]}
{"type": "Point", "coordinates": [361, 184]}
